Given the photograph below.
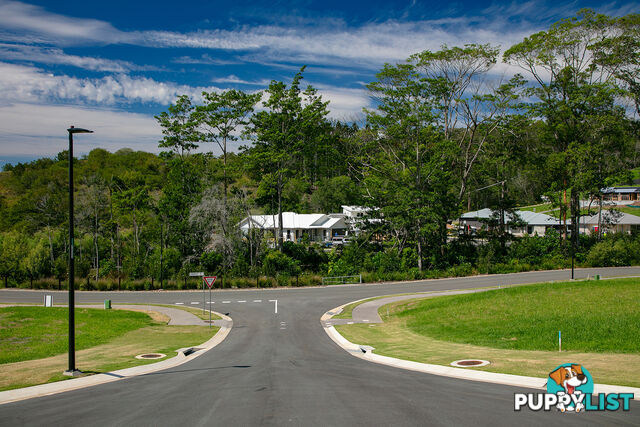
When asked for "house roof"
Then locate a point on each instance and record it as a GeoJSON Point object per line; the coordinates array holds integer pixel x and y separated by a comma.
{"type": "Point", "coordinates": [292, 220]}
{"type": "Point", "coordinates": [530, 218]}
{"type": "Point", "coordinates": [621, 190]}
{"type": "Point", "coordinates": [623, 219]}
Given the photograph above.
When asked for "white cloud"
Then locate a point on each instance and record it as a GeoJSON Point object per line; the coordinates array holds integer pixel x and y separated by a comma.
{"type": "Point", "coordinates": [204, 59]}
{"type": "Point", "coordinates": [19, 83]}
{"type": "Point", "coordinates": [326, 41]}
{"type": "Point", "coordinates": [58, 29]}
{"type": "Point", "coordinates": [29, 129]}
{"type": "Point", "coordinates": [236, 80]}
{"type": "Point", "coordinates": [44, 55]}
{"type": "Point", "coordinates": [345, 104]}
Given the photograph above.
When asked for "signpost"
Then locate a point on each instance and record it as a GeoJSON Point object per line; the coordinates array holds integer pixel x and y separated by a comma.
{"type": "Point", "coordinates": [200, 274]}
{"type": "Point", "coordinates": [209, 280]}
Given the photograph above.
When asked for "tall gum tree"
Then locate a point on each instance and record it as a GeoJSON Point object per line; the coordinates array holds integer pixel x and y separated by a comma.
{"type": "Point", "coordinates": [280, 133]}
{"type": "Point", "coordinates": [577, 96]}
{"type": "Point", "coordinates": [464, 105]}
{"type": "Point", "coordinates": [405, 161]}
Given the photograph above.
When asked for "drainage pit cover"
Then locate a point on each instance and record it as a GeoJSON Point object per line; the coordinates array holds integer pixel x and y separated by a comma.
{"type": "Point", "coordinates": [470, 363]}
{"type": "Point", "coordinates": [151, 356]}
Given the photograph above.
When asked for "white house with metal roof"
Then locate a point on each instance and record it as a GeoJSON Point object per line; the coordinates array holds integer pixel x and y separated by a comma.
{"type": "Point", "coordinates": [611, 222]}
{"type": "Point", "coordinates": [529, 222]}
{"type": "Point", "coordinates": [319, 227]}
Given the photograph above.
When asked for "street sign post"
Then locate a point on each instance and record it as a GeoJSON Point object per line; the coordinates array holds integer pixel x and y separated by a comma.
{"type": "Point", "coordinates": [209, 280]}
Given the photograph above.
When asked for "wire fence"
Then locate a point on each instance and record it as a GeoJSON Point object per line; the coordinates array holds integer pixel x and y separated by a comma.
{"type": "Point", "coordinates": [342, 280]}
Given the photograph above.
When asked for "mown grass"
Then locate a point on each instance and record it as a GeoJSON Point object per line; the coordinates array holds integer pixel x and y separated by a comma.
{"type": "Point", "coordinates": [36, 332]}
{"type": "Point", "coordinates": [598, 320]}
{"type": "Point", "coordinates": [119, 353]}
{"type": "Point", "coordinates": [594, 316]}
{"type": "Point", "coordinates": [543, 207]}
{"type": "Point", "coordinates": [33, 341]}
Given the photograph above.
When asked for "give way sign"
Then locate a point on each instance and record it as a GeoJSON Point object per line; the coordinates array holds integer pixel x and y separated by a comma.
{"type": "Point", "coordinates": [209, 280]}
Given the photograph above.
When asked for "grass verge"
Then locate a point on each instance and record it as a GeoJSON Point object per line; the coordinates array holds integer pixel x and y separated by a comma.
{"type": "Point", "coordinates": [516, 329]}
{"type": "Point", "coordinates": [111, 354]}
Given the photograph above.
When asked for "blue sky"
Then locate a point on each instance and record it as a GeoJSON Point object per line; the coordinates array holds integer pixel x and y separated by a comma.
{"type": "Point", "coordinates": [111, 66]}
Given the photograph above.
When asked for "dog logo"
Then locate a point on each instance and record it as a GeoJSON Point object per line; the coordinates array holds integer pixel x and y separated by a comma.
{"type": "Point", "coordinates": [571, 380]}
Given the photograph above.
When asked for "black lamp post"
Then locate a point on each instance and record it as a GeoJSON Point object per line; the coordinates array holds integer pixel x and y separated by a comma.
{"type": "Point", "coordinates": [72, 371]}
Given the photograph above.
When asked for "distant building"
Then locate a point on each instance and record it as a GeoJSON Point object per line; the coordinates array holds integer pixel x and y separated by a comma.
{"type": "Point", "coordinates": [528, 222]}
{"type": "Point", "coordinates": [621, 195]}
{"type": "Point", "coordinates": [611, 222]}
{"type": "Point", "coordinates": [319, 227]}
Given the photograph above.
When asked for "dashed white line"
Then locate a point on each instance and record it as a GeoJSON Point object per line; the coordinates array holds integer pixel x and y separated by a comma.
{"type": "Point", "coordinates": [242, 301]}
{"type": "Point", "coordinates": [179, 303]}
{"type": "Point", "coordinates": [194, 302]}
{"type": "Point", "coordinates": [349, 323]}
{"type": "Point", "coordinates": [257, 300]}
{"type": "Point", "coordinates": [226, 302]}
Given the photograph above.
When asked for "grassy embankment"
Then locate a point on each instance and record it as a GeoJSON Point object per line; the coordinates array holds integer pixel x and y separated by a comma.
{"type": "Point", "coordinates": [517, 329]}
{"type": "Point", "coordinates": [33, 341]}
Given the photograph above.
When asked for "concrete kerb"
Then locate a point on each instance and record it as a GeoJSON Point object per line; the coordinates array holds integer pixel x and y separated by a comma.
{"type": "Point", "coordinates": [78, 383]}
{"type": "Point", "coordinates": [366, 353]}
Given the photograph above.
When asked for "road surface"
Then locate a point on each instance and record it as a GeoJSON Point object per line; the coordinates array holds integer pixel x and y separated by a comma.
{"type": "Point", "coordinates": [282, 369]}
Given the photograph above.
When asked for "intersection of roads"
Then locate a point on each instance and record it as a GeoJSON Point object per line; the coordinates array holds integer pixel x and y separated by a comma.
{"type": "Point", "coordinates": [278, 367]}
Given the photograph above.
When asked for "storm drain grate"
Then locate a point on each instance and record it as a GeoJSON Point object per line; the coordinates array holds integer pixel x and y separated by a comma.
{"type": "Point", "coordinates": [151, 356]}
{"type": "Point", "coordinates": [470, 363]}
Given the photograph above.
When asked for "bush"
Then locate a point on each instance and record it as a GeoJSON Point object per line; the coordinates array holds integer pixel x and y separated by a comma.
{"type": "Point", "coordinates": [614, 252]}
{"type": "Point", "coordinates": [275, 263]}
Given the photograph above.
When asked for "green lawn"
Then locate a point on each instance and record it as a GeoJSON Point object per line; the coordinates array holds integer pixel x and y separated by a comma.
{"type": "Point", "coordinates": [36, 332]}
{"type": "Point", "coordinates": [33, 341]}
{"type": "Point", "coordinates": [594, 316]}
{"type": "Point", "coordinates": [543, 207]}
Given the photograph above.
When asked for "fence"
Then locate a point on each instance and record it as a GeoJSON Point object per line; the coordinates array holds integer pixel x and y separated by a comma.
{"type": "Point", "coordinates": [341, 280]}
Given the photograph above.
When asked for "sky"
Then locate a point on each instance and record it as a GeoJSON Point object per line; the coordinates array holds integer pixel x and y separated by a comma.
{"type": "Point", "coordinates": [111, 66]}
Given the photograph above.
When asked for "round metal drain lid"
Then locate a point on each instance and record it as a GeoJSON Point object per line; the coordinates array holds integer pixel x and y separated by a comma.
{"type": "Point", "coordinates": [470, 363]}
{"type": "Point", "coordinates": [151, 356]}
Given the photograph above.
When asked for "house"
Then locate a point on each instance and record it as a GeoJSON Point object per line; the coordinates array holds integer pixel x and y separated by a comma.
{"type": "Point", "coordinates": [526, 222]}
{"type": "Point", "coordinates": [356, 218]}
{"type": "Point", "coordinates": [611, 222]}
{"type": "Point", "coordinates": [318, 227]}
{"type": "Point", "coordinates": [621, 195]}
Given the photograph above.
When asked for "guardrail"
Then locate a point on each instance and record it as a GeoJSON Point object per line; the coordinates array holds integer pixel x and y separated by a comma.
{"type": "Point", "coordinates": [342, 280]}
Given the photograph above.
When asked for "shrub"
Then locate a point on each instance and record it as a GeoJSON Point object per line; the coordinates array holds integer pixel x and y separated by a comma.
{"type": "Point", "coordinates": [614, 252]}
{"type": "Point", "coordinates": [275, 263]}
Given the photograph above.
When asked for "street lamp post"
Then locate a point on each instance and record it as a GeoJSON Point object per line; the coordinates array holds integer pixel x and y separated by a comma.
{"type": "Point", "coordinates": [72, 371]}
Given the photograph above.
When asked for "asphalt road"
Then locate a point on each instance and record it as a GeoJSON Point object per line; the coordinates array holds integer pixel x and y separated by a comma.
{"type": "Point", "coordinates": [282, 369]}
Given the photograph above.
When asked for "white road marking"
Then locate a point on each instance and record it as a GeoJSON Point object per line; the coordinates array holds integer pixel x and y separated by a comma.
{"type": "Point", "coordinates": [365, 320]}
{"type": "Point", "coordinates": [210, 302]}
{"type": "Point", "coordinates": [194, 302]}
{"type": "Point", "coordinates": [179, 303]}
{"type": "Point", "coordinates": [349, 323]}
{"type": "Point", "coordinates": [257, 300]}
{"type": "Point", "coordinates": [242, 301]}
{"type": "Point", "coordinates": [276, 305]}
{"type": "Point", "coordinates": [226, 302]}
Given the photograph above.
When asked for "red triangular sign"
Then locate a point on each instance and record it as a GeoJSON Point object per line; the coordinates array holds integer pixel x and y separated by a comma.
{"type": "Point", "coordinates": [210, 280]}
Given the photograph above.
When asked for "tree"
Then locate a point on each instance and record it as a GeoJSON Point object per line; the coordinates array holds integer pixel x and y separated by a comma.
{"type": "Point", "coordinates": [463, 104]}
{"type": "Point", "coordinates": [405, 166]}
{"type": "Point", "coordinates": [586, 129]}
{"type": "Point", "coordinates": [178, 127]}
{"type": "Point", "coordinates": [92, 202]}
{"type": "Point", "coordinates": [286, 126]}
{"type": "Point", "coordinates": [221, 118]}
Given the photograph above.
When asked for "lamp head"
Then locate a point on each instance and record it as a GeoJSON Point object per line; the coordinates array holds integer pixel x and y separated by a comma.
{"type": "Point", "coordinates": [78, 130]}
